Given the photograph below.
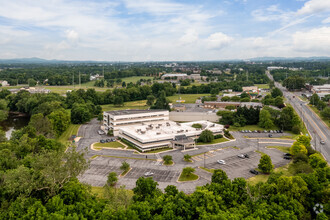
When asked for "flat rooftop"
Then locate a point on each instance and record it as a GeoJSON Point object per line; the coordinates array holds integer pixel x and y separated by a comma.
{"type": "Point", "coordinates": [134, 111]}
{"type": "Point", "coordinates": [165, 130]}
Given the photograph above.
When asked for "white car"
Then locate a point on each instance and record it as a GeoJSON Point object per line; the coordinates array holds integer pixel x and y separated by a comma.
{"type": "Point", "coordinates": [221, 162]}
{"type": "Point", "coordinates": [148, 173]}
{"type": "Point", "coordinates": [322, 142]}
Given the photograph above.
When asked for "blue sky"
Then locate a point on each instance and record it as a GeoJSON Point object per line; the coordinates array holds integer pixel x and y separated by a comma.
{"type": "Point", "coordinates": [163, 30]}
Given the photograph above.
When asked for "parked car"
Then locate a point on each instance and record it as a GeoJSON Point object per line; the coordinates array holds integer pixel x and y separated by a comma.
{"type": "Point", "coordinates": [102, 141]}
{"type": "Point", "coordinates": [246, 155]}
{"type": "Point", "coordinates": [254, 171]}
{"type": "Point", "coordinates": [221, 162]}
{"type": "Point", "coordinates": [242, 131]}
{"type": "Point", "coordinates": [255, 131]}
{"type": "Point", "coordinates": [281, 131]}
{"type": "Point", "coordinates": [322, 142]}
{"type": "Point", "coordinates": [241, 156]}
{"type": "Point", "coordinates": [101, 132]}
{"type": "Point", "coordinates": [250, 131]}
{"type": "Point", "coordinates": [259, 131]}
{"type": "Point", "coordinates": [265, 131]}
{"type": "Point", "coordinates": [287, 157]}
{"type": "Point", "coordinates": [149, 173]}
{"type": "Point", "coordinates": [108, 140]}
{"type": "Point", "coordinates": [287, 154]}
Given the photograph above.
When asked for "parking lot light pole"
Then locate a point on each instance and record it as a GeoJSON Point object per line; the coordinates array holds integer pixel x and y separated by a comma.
{"type": "Point", "coordinates": [204, 159]}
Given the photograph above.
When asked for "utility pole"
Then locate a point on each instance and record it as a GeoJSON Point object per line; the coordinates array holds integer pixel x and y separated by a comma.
{"type": "Point", "coordinates": [204, 159]}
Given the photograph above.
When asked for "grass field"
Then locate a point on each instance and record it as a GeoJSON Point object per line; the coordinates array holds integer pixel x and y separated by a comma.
{"type": "Point", "coordinates": [281, 148]}
{"type": "Point", "coordinates": [191, 177]}
{"type": "Point", "coordinates": [215, 141]}
{"type": "Point", "coordinates": [327, 122]}
{"type": "Point", "coordinates": [141, 104]}
{"type": "Point", "coordinates": [189, 98]}
{"type": "Point", "coordinates": [134, 79]}
{"type": "Point", "coordinates": [72, 130]}
{"type": "Point", "coordinates": [114, 144]}
{"type": "Point", "coordinates": [264, 177]}
{"type": "Point", "coordinates": [251, 127]}
{"type": "Point", "coordinates": [98, 191]}
{"type": "Point", "coordinates": [262, 86]}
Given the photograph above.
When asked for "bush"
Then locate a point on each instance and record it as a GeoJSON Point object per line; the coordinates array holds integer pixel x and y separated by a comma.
{"type": "Point", "coordinates": [167, 159]}
{"type": "Point", "coordinates": [300, 157]}
{"type": "Point", "coordinates": [112, 179]}
{"type": "Point", "coordinates": [125, 166]}
{"type": "Point", "coordinates": [187, 171]}
{"type": "Point", "coordinates": [265, 164]}
{"type": "Point", "coordinates": [218, 136]}
{"type": "Point", "coordinates": [187, 157]}
{"type": "Point", "coordinates": [296, 129]}
{"type": "Point", "coordinates": [300, 167]}
{"type": "Point", "coordinates": [206, 136]}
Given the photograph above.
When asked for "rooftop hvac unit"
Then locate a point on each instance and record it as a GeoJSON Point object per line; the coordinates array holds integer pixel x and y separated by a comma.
{"type": "Point", "coordinates": [158, 133]}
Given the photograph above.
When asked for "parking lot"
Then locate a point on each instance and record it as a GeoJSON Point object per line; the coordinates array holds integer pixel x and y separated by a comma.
{"type": "Point", "coordinates": [159, 175]}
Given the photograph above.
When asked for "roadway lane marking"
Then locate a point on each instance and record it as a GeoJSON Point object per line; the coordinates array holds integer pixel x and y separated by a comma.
{"type": "Point", "coordinates": [317, 116]}
{"type": "Point", "coordinates": [310, 119]}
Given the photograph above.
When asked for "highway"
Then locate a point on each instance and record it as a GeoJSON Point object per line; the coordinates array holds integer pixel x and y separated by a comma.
{"type": "Point", "coordinates": [315, 126]}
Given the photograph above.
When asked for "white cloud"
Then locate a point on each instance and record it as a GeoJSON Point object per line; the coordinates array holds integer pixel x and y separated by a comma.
{"type": "Point", "coordinates": [314, 6]}
{"type": "Point", "coordinates": [189, 37]}
{"type": "Point", "coordinates": [326, 21]}
{"type": "Point", "coordinates": [315, 40]}
{"type": "Point", "coordinates": [218, 40]}
{"type": "Point", "coordinates": [71, 35]}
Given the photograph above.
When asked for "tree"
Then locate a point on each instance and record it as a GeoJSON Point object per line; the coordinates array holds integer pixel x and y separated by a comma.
{"type": "Point", "coordinates": [123, 84]}
{"type": "Point", "coordinates": [219, 176]}
{"type": "Point", "coordinates": [187, 171]}
{"type": "Point", "coordinates": [161, 102]}
{"type": "Point", "coordinates": [314, 100]}
{"type": "Point", "coordinates": [150, 100]}
{"type": "Point", "coordinates": [118, 101]}
{"type": "Point", "coordinates": [326, 113]}
{"type": "Point", "coordinates": [125, 166]}
{"type": "Point", "coordinates": [225, 99]}
{"type": "Point", "coordinates": [265, 164]}
{"type": "Point", "coordinates": [146, 188]}
{"type": "Point", "coordinates": [32, 82]}
{"type": "Point", "coordinates": [206, 136]}
{"type": "Point", "coordinates": [279, 102]}
{"type": "Point", "coordinates": [112, 179]}
{"type": "Point", "coordinates": [60, 120]}
{"type": "Point", "coordinates": [298, 148]}
{"type": "Point", "coordinates": [276, 92]}
{"type": "Point", "coordinates": [81, 113]}
{"type": "Point", "coordinates": [3, 109]}
{"type": "Point", "coordinates": [167, 159]}
{"type": "Point", "coordinates": [316, 161]}
{"type": "Point", "coordinates": [187, 157]}
{"type": "Point", "coordinates": [304, 140]}
{"type": "Point", "coordinates": [42, 125]}
{"type": "Point", "coordinates": [265, 119]}
{"type": "Point", "coordinates": [245, 95]}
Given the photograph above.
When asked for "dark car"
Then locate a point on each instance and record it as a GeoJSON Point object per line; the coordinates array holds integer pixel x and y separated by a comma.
{"type": "Point", "coordinates": [241, 156]}
{"type": "Point", "coordinates": [287, 154]}
{"type": "Point", "coordinates": [254, 171]}
{"type": "Point", "coordinates": [246, 155]}
{"type": "Point", "coordinates": [102, 141]}
{"type": "Point", "coordinates": [287, 157]}
{"type": "Point", "coordinates": [108, 140]}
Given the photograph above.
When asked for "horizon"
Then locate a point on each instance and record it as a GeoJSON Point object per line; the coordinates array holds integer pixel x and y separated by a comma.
{"type": "Point", "coordinates": [164, 30]}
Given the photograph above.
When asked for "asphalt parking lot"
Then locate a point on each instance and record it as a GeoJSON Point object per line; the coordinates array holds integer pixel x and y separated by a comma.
{"type": "Point", "coordinates": [238, 167]}
{"type": "Point", "coordinates": [159, 175]}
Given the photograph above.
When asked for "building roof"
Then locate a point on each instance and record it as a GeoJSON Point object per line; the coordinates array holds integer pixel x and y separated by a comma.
{"type": "Point", "coordinates": [174, 74]}
{"type": "Point", "coordinates": [134, 111]}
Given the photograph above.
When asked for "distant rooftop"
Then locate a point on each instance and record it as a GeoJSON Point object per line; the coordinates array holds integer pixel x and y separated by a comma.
{"type": "Point", "coordinates": [134, 111]}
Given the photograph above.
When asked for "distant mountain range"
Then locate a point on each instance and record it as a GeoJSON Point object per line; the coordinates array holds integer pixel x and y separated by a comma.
{"type": "Point", "coordinates": [36, 60]}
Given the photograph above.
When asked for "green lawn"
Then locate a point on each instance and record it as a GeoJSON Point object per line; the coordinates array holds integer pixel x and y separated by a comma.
{"type": "Point", "coordinates": [281, 148]}
{"type": "Point", "coordinates": [72, 130]}
{"type": "Point", "coordinates": [251, 127]}
{"type": "Point", "coordinates": [114, 144]}
{"type": "Point", "coordinates": [191, 177]}
{"type": "Point", "coordinates": [134, 79]}
{"type": "Point", "coordinates": [169, 163]}
{"type": "Point", "coordinates": [98, 191]}
{"type": "Point", "coordinates": [264, 177]}
{"type": "Point", "coordinates": [327, 122]}
{"type": "Point", "coordinates": [262, 86]}
{"type": "Point", "coordinates": [215, 141]}
{"type": "Point", "coordinates": [125, 172]}
{"type": "Point", "coordinates": [141, 104]}
{"type": "Point", "coordinates": [189, 98]}
{"type": "Point", "coordinates": [208, 170]}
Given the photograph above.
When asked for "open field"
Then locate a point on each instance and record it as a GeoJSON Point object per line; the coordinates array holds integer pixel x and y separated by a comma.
{"type": "Point", "coordinates": [327, 122]}
{"type": "Point", "coordinates": [141, 104]}
{"type": "Point", "coordinates": [262, 86]}
{"type": "Point", "coordinates": [72, 130]}
{"type": "Point", "coordinates": [189, 98]}
{"type": "Point", "coordinates": [134, 79]}
{"type": "Point", "coordinates": [114, 144]}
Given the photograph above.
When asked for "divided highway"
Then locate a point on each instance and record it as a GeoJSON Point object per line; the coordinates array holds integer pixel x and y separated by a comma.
{"type": "Point", "coordinates": [316, 127]}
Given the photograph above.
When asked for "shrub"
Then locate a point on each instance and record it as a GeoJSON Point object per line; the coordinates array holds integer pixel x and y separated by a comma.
{"type": "Point", "coordinates": [265, 164]}
{"type": "Point", "coordinates": [206, 136]}
{"type": "Point", "coordinates": [187, 171]}
{"type": "Point", "coordinates": [187, 157]}
{"type": "Point", "coordinates": [196, 126]}
{"type": "Point", "coordinates": [167, 159]}
{"type": "Point", "coordinates": [112, 179]}
{"type": "Point", "coordinates": [296, 129]}
{"type": "Point", "coordinates": [218, 136]}
{"type": "Point", "coordinates": [125, 166]}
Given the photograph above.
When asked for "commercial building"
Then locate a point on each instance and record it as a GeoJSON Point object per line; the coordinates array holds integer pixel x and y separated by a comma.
{"type": "Point", "coordinates": [152, 129]}
{"type": "Point", "coordinates": [113, 120]}
{"type": "Point", "coordinates": [163, 134]}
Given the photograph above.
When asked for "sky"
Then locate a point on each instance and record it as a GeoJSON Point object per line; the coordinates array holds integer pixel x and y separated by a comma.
{"type": "Point", "coordinates": [163, 30]}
